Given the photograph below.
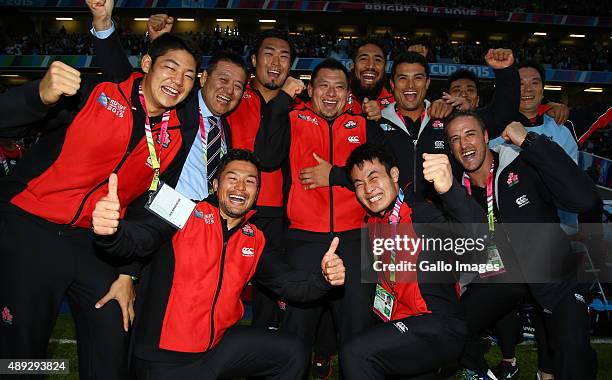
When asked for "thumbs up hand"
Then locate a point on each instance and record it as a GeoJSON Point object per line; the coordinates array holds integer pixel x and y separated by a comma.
{"type": "Point", "coordinates": [333, 266]}
{"type": "Point", "coordinates": [371, 109]}
{"type": "Point", "coordinates": [106, 215]}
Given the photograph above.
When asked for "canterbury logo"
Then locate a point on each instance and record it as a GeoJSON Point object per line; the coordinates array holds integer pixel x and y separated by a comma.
{"type": "Point", "coordinates": [353, 139]}
{"type": "Point", "coordinates": [248, 252]}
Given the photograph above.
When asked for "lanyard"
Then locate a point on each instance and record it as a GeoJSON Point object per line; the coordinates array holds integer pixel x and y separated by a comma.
{"type": "Point", "coordinates": [490, 214]}
{"type": "Point", "coordinates": [404, 120]}
{"type": "Point", "coordinates": [394, 220]}
{"type": "Point", "coordinates": [150, 144]}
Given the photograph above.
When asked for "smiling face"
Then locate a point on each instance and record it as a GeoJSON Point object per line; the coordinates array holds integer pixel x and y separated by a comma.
{"type": "Point", "coordinates": [410, 84]}
{"type": "Point", "coordinates": [222, 89]}
{"type": "Point", "coordinates": [468, 142]}
{"type": "Point", "coordinates": [465, 88]}
{"type": "Point", "coordinates": [237, 189]}
{"type": "Point", "coordinates": [532, 91]}
{"type": "Point", "coordinates": [328, 91]}
{"type": "Point", "coordinates": [272, 63]}
{"type": "Point", "coordinates": [168, 81]}
{"type": "Point", "coordinates": [369, 66]}
{"type": "Point", "coordinates": [375, 189]}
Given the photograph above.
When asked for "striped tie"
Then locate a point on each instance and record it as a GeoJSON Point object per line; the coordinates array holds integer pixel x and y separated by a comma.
{"type": "Point", "coordinates": [213, 150]}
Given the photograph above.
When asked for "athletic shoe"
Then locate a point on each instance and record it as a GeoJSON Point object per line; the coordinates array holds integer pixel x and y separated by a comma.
{"type": "Point", "coordinates": [468, 374]}
{"type": "Point", "coordinates": [505, 371]}
{"type": "Point", "coordinates": [321, 367]}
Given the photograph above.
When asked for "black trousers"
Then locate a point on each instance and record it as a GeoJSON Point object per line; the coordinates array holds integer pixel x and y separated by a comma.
{"type": "Point", "coordinates": [482, 306]}
{"type": "Point", "coordinates": [351, 304]}
{"type": "Point", "coordinates": [566, 328]}
{"type": "Point", "coordinates": [266, 312]}
{"type": "Point", "coordinates": [243, 351]}
{"type": "Point", "coordinates": [408, 347]}
{"type": "Point", "coordinates": [40, 263]}
{"type": "Point", "coordinates": [508, 332]}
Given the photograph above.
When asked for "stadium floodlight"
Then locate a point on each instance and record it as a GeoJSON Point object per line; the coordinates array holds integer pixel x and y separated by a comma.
{"type": "Point", "coordinates": [186, 19]}
{"type": "Point", "coordinates": [9, 75]}
{"type": "Point", "coordinates": [64, 19]}
{"type": "Point", "coordinates": [577, 35]}
{"type": "Point", "coordinates": [593, 89]}
{"type": "Point", "coordinates": [141, 19]}
{"type": "Point", "coordinates": [540, 34]}
{"type": "Point", "coordinates": [305, 77]}
{"type": "Point", "coordinates": [225, 20]}
{"type": "Point", "coordinates": [264, 21]}
{"type": "Point", "coordinates": [552, 88]}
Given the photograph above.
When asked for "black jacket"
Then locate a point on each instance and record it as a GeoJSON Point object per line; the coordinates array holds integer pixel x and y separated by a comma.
{"type": "Point", "coordinates": [530, 185]}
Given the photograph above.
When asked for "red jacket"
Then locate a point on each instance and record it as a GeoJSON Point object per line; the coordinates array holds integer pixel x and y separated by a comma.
{"type": "Point", "coordinates": [211, 273]}
{"type": "Point", "coordinates": [384, 99]}
{"type": "Point", "coordinates": [95, 145]}
{"type": "Point", "coordinates": [296, 132]}
{"type": "Point", "coordinates": [244, 124]}
{"type": "Point", "coordinates": [408, 299]}
{"type": "Point", "coordinates": [311, 210]}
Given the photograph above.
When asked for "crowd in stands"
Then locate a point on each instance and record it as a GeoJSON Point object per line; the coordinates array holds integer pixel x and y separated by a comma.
{"type": "Point", "coordinates": [599, 8]}
{"type": "Point", "coordinates": [594, 57]}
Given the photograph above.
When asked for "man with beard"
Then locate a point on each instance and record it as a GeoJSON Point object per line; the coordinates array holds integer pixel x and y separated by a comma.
{"type": "Point", "coordinates": [191, 306]}
{"type": "Point", "coordinates": [369, 92]}
{"type": "Point", "coordinates": [524, 184]}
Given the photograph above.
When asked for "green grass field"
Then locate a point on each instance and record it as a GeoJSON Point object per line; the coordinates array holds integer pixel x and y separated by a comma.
{"type": "Point", "coordinates": [59, 348]}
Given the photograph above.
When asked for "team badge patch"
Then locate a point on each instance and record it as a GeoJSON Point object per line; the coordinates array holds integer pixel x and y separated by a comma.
{"type": "Point", "coordinates": [7, 317]}
{"type": "Point", "coordinates": [167, 139]}
{"type": "Point", "coordinates": [438, 124]}
{"type": "Point", "coordinates": [350, 124]}
{"type": "Point", "coordinates": [512, 179]}
{"type": "Point", "coordinates": [248, 230]}
{"type": "Point", "coordinates": [385, 102]}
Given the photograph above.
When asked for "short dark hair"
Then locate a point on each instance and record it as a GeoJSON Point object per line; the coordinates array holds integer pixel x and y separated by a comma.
{"type": "Point", "coordinates": [534, 65]}
{"type": "Point", "coordinates": [409, 57]}
{"type": "Point", "coordinates": [369, 152]}
{"type": "Point", "coordinates": [226, 56]}
{"type": "Point", "coordinates": [469, 113]}
{"type": "Point", "coordinates": [273, 33]}
{"type": "Point", "coordinates": [329, 63]}
{"type": "Point", "coordinates": [462, 74]}
{"type": "Point", "coordinates": [172, 41]}
{"type": "Point", "coordinates": [369, 41]}
{"type": "Point", "coordinates": [239, 155]}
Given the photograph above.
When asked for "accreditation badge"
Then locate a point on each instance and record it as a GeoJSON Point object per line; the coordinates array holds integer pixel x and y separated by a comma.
{"type": "Point", "coordinates": [170, 205]}
{"type": "Point", "coordinates": [494, 260]}
{"type": "Point", "coordinates": [383, 303]}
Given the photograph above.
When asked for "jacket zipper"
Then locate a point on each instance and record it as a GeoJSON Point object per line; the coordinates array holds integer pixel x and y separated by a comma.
{"type": "Point", "coordinates": [331, 191]}
{"type": "Point", "coordinates": [414, 164]}
{"type": "Point", "coordinates": [212, 310]}
{"type": "Point", "coordinates": [80, 209]}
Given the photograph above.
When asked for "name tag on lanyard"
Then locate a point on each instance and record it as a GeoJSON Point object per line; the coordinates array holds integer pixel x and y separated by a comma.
{"type": "Point", "coordinates": [170, 205]}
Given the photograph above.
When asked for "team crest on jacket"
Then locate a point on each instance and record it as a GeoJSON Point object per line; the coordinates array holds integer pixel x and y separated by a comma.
{"type": "Point", "coordinates": [385, 102]}
{"type": "Point", "coordinates": [308, 118]}
{"type": "Point", "coordinates": [111, 105]}
{"type": "Point", "coordinates": [350, 124]}
{"type": "Point", "coordinates": [438, 124]}
{"type": "Point", "coordinates": [512, 179]}
{"type": "Point", "coordinates": [167, 139]}
{"type": "Point", "coordinates": [248, 230]}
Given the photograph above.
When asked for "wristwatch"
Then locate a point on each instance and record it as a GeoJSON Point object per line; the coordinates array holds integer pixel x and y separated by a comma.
{"type": "Point", "coordinates": [529, 138]}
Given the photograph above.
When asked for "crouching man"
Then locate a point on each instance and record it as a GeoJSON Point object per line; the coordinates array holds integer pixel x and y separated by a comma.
{"type": "Point", "coordinates": [423, 329]}
{"type": "Point", "coordinates": [187, 325]}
